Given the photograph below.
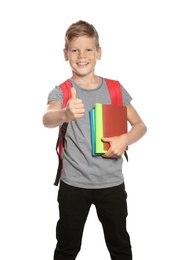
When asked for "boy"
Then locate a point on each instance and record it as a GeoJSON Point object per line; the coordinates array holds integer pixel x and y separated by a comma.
{"type": "Point", "coordinates": [88, 179]}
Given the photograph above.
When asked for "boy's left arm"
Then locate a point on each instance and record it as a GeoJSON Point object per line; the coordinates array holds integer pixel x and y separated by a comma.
{"type": "Point", "coordinates": [118, 144]}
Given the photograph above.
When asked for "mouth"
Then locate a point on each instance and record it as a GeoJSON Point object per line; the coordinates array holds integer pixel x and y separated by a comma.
{"type": "Point", "coordinates": [82, 64]}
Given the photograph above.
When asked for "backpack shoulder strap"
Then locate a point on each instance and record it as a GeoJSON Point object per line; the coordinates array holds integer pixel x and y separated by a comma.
{"type": "Point", "coordinates": [115, 91]}
{"type": "Point", "coordinates": [59, 149]}
{"type": "Point", "coordinates": [65, 87]}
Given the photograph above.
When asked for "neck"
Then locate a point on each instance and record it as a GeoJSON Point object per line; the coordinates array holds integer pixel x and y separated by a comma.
{"type": "Point", "coordinates": [87, 82]}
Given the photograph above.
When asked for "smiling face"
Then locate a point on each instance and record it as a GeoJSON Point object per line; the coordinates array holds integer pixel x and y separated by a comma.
{"type": "Point", "coordinates": [82, 54]}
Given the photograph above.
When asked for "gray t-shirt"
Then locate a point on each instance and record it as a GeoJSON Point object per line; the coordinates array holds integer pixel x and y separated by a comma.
{"type": "Point", "coordinates": [80, 168]}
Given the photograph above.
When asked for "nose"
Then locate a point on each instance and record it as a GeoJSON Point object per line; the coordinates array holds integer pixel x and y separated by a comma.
{"type": "Point", "coordinates": [81, 54]}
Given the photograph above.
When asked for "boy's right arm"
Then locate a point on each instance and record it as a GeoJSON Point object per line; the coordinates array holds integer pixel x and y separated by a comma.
{"type": "Point", "coordinates": [55, 115]}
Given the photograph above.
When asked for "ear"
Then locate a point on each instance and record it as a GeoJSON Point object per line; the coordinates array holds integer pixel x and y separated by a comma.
{"type": "Point", "coordinates": [99, 54]}
{"type": "Point", "coordinates": [65, 54]}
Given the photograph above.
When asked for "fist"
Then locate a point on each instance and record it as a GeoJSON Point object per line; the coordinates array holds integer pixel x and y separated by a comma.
{"type": "Point", "coordinates": [75, 107]}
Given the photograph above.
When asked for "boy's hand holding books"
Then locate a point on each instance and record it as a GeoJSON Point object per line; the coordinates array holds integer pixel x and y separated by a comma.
{"type": "Point", "coordinates": [117, 146]}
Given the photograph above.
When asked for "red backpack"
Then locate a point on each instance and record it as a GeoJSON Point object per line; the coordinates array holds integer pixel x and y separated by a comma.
{"type": "Point", "coordinates": [115, 91]}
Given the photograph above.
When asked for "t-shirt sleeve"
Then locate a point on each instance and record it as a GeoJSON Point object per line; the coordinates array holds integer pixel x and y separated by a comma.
{"type": "Point", "coordinates": [55, 95]}
{"type": "Point", "coordinates": [126, 98]}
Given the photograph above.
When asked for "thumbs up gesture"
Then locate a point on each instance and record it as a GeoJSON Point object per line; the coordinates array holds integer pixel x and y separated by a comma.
{"type": "Point", "coordinates": [73, 93]}
{"type": "Point", "coordinates": [75, 108]}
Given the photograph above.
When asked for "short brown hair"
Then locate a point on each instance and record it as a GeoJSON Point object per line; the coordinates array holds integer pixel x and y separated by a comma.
{"type": "Point", "coordinates": [81, 28]}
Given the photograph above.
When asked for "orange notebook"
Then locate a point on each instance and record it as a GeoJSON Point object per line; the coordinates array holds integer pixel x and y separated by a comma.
{"type": "Point", "coordinates": [114, 121]}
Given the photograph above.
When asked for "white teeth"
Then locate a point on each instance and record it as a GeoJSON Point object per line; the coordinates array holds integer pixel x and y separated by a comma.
{"type": "Point", "coordinates": [82, 63]}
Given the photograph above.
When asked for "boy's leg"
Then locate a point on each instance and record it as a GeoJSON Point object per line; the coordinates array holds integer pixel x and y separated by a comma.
{"type": "Point", "coordinates": [112, 212]}
{"type": "Point", "coordinates": [74, 205]}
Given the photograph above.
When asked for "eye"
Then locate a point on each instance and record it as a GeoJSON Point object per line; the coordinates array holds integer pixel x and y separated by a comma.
{"type": "Point", "coordinates": [74, 50]}
{"type": "Point", "coordinates": [89, 49]}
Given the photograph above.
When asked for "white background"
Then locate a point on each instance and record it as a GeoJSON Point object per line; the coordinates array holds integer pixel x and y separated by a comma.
{"type": "Point", "coordinates": [140, 47]}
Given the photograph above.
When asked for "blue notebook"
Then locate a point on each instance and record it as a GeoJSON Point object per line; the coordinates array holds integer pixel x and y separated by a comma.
{"type": "Point", "coordinates": [92, 126]}
{"type": "Point", "coordinates": [93, 132]}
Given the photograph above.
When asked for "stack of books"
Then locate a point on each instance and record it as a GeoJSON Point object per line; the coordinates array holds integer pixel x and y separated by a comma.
{"type": "Point", "coordinates": [106, 120]}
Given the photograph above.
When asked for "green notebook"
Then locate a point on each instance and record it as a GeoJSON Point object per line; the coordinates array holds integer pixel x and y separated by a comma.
{"type": "Point", "coordinates": [99, 128]}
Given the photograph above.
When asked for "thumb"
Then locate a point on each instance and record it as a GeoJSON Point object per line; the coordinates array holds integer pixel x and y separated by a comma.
{"type": "Point", "coordinates": [106, 139]}
{"type": "Point", "coordinates": [73, 93]}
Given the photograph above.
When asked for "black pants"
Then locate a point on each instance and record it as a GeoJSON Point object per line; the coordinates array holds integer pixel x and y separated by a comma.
{"type": "Point", "coordinates": [111, 207]}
